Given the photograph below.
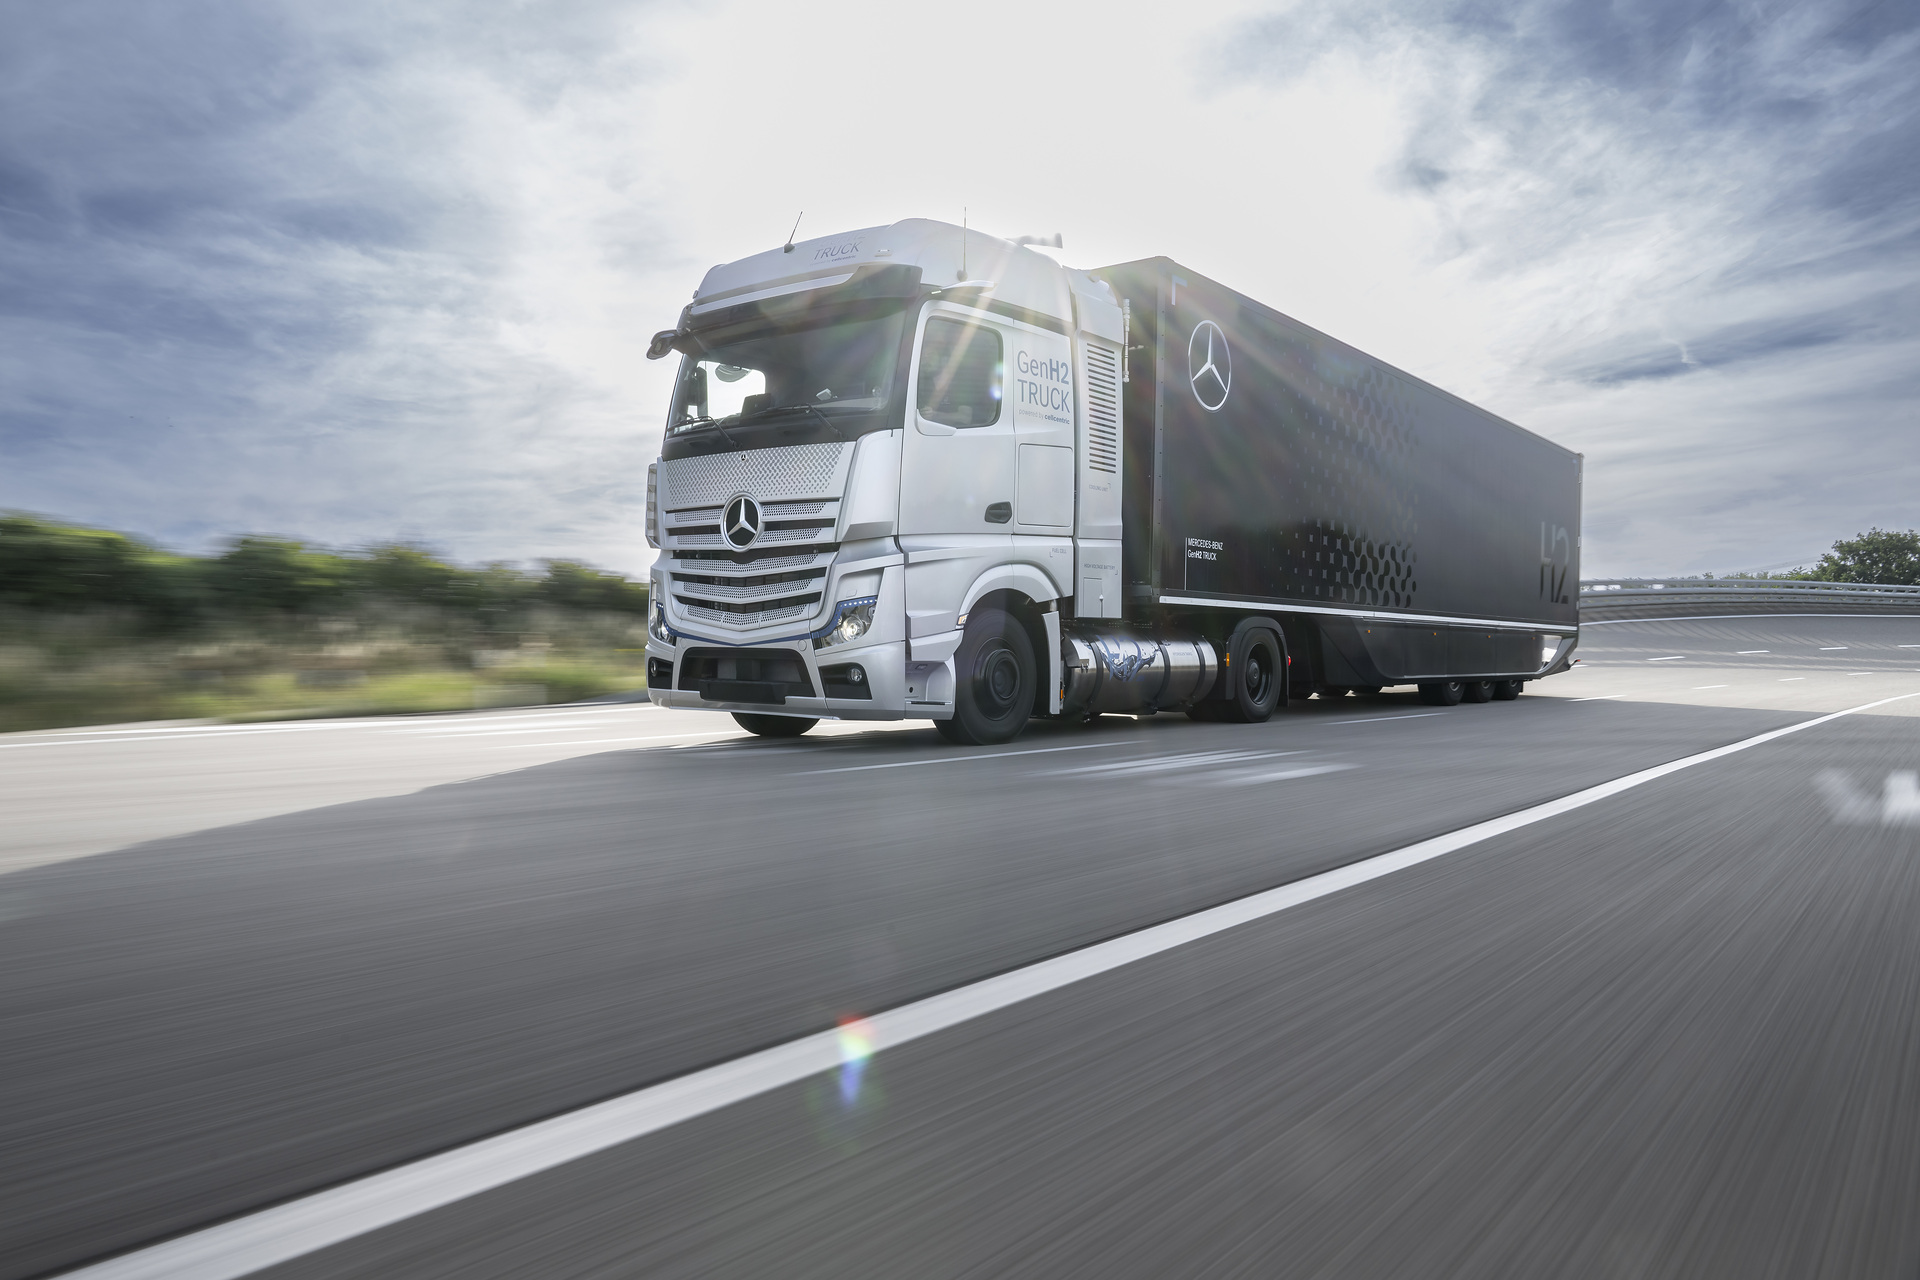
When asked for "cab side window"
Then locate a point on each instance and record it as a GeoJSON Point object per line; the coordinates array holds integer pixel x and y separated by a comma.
{"type": "Point", "coordinates": [962, 371]}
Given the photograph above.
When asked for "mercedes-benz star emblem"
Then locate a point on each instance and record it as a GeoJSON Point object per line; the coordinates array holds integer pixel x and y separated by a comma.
{"type": "Point", "coordinates": [1209, 365]}
{"type": "Point", "coordinates": [742, 522]}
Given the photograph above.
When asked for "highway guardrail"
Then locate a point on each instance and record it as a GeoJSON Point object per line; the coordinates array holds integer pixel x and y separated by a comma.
{"type": "Point", "coordinates": [1604, 599]}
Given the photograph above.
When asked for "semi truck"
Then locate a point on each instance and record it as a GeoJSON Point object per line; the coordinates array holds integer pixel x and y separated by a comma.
{"type": "Point", "coordinates": [918, 471]}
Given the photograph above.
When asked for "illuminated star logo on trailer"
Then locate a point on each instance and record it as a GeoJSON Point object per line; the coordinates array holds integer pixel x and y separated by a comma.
{"type": "Point", "coordinates": [1209, 365]}
{"type": "Point", "coordinates": [742, 523]}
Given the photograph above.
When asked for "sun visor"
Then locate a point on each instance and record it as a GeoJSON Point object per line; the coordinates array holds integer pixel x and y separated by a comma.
{"type": "Point", "coordinates": [794, 296]}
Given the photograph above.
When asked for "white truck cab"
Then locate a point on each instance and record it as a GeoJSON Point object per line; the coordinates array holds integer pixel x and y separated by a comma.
{"type": "Point", "coordinates": [876, 439]}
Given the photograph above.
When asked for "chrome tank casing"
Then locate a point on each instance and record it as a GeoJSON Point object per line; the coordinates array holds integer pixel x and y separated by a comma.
{"type": "Point", "coordinates": [1109, 671]}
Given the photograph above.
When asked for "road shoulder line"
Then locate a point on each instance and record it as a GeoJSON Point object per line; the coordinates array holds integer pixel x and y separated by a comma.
{"type": "Point", "coordinates": [267, 1237]}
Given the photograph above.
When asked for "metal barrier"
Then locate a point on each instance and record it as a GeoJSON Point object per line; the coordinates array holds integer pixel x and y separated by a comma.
{"type": "Point", "coordinates": [1610, 599]}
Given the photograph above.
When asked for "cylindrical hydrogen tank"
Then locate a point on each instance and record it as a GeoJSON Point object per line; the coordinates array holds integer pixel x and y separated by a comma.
{"type": "Point", "coordinates": [1110, 671]}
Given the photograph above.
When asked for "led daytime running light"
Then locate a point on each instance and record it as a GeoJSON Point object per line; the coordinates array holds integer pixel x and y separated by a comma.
{"type": "Point", "coordinates": [851, 620]}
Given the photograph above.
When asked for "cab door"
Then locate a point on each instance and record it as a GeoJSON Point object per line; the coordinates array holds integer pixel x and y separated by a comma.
{"type": "Point", "coordinates": [1040, 394]}
{"type": "Point", "coordinates": [958, 462]}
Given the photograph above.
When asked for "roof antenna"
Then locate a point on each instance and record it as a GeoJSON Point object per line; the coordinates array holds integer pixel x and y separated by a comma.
{"type": "Point", "coordinates": [796, 226]}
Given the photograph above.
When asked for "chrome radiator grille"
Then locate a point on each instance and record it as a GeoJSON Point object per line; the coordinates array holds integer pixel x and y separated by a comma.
{"type": "Point", "coordinates": [781, 578]}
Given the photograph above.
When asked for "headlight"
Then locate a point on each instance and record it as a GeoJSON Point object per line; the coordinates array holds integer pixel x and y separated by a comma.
{"type": "Point", "coordinates": [851, 620]}
{"type": "Point", "coordinates": [657, 621]}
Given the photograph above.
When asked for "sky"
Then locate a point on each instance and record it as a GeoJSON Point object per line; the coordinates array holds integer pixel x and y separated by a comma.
{"type": "Point", "coordinates": [359, 272]}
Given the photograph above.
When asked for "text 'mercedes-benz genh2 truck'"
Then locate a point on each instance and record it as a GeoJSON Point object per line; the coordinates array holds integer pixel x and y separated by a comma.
{"type": "Point", "coordinates": [919, 472]}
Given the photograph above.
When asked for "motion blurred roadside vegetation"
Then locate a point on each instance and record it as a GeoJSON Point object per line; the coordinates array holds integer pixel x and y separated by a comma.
{"type": "Point", "coordinates": [100, 627]}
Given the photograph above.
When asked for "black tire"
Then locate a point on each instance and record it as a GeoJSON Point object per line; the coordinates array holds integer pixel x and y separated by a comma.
{"type": "Point", "coordinates": [1476, 691]}
{"type": "Point", "coordinates": [1257, 675]}
{"type": "Point", "coordinates": [995, 677]}
{"type": "Point", "coordinates": [1442, 693]}
{"type": "Point", "coordinates": [773, 726]}
{"type": "Point", "coordinates": [1506, 690]}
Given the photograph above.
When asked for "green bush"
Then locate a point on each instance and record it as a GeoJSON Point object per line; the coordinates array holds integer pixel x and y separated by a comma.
{"type": "Point", "coordinates": [96, 626]}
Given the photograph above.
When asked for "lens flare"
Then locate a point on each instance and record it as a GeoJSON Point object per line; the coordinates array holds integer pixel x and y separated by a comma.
{"type": "Point", "coordinates": [856, 1046]}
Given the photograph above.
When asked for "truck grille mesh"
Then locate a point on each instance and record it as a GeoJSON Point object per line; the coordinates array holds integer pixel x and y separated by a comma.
{"type": "Point", "coordinates": [789, 471]}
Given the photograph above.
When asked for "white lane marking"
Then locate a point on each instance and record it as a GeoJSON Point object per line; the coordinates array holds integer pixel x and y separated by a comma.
{"type": "Point", "coordinates": [1417, 715]}
{"type": "Point", "coordinates": [1744, 617]}
{"type": "Point", "coordinates": [272, 1236]}
{"type": "Point", "coordinates": [389, 724]}
{"type": "Point", "coordinates": [1859, 673]}
{"type": "Point", "coordinates": [991, 755]}
{"type": "Point", "coordinates": [1244, 778]}
{"type": "Point", "coordinates": [1671, 658]}
{"type": "Point", "coordinates": [602, 742]}
{"type": "Point", "coordinates": [1831, 648]}
{"type": "Point", "coordinates": [1604, 697]}
{"type": "Point", "coordinates": [1899, 804]}
{"type": "Point", "coordinates": [535, 726]}
{"type": "Point", "coordinates": [1698, 687]}
{"type": "Point", "coordinates": [1748, 651]}
{"type": "Point", "coordinates": [1156, 764]}
{"type": "Point", "coordinates": [160, 735]}
{"type": "Point", "coordinates": [1908, 646]}
{"type": "Point", "coordinates": [1791, 679]}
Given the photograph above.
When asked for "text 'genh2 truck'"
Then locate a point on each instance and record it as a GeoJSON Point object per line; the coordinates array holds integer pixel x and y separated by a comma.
{"type": "Point", "coordinates": [916, 471]}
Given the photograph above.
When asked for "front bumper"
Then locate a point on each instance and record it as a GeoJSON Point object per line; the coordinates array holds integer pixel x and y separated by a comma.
{"type": "Point", "coordinates": [884, 665]}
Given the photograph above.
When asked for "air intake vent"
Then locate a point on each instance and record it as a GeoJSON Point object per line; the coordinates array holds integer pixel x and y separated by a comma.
{"type": "Point", "coordinates": [1103, 408]}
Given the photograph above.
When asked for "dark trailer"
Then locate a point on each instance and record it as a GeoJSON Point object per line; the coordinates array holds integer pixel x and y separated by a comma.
{"type": "Point", "coordinates": [1396, 533]}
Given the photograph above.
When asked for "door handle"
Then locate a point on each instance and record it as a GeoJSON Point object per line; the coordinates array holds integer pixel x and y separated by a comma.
{"type": "Point", "coordinates": [999, 512]}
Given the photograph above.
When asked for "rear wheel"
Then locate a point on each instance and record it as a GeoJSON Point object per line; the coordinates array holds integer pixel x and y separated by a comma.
{"type": "Point", "coordinates": [773, 726]}
{"type": "Point", "coordinates": [995, 678]}
{"type": "Point", "coordinates": [1477, 691]}
{"type": "Point", "coordinates": [1506, 690]}
{"type": "Point", "coordinates": [1442, 693]}
{"type": "Point", "coordinates": [1255, 671]}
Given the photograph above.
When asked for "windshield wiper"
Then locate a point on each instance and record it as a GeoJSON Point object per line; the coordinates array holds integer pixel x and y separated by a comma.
{"type": "Point", "coordinates": [825, 421]}
{"type": "Point", "coordinates": [707, 420]}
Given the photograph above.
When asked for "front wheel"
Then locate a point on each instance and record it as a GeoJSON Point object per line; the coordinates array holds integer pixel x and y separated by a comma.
{"type": "Point", "coordinates": [773, 726]}
{"type": "Point", "coordinates": [1442, 693]}
{"type": "Point", "coordinates": [995, 677]}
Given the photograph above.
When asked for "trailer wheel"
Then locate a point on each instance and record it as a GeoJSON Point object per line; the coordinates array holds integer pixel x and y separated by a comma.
{"type": "Point", "coordinates": [1442, 693]}
{"type": "Point", "coordinates": [773, 726]}
{"type": "Point", "coordinates": [1477, 691]}
{"type": "Point", "coordinates": [995, 680]}
{"type": "Point", "coordinates": [1256, 670]}
{"type": "Point", "coordinates": [1506, 690]}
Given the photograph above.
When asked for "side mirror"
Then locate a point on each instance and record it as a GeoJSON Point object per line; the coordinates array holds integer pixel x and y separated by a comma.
{"type": "Point", "coordinates": [662, 343]}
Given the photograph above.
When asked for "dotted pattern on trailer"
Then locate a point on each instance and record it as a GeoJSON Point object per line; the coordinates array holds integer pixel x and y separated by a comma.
{"type": "Point", "coordinates": [1361, 438]}
{"type": "Point", "coordinates": [787, 471]}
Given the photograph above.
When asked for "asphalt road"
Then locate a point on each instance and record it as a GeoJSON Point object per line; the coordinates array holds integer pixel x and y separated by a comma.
{"type": "Point", "coordinates": [1674, 1032]}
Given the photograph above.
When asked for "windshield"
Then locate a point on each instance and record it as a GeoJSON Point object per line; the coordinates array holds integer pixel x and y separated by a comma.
{"type": "Point", "coordinates": [828, 374]}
